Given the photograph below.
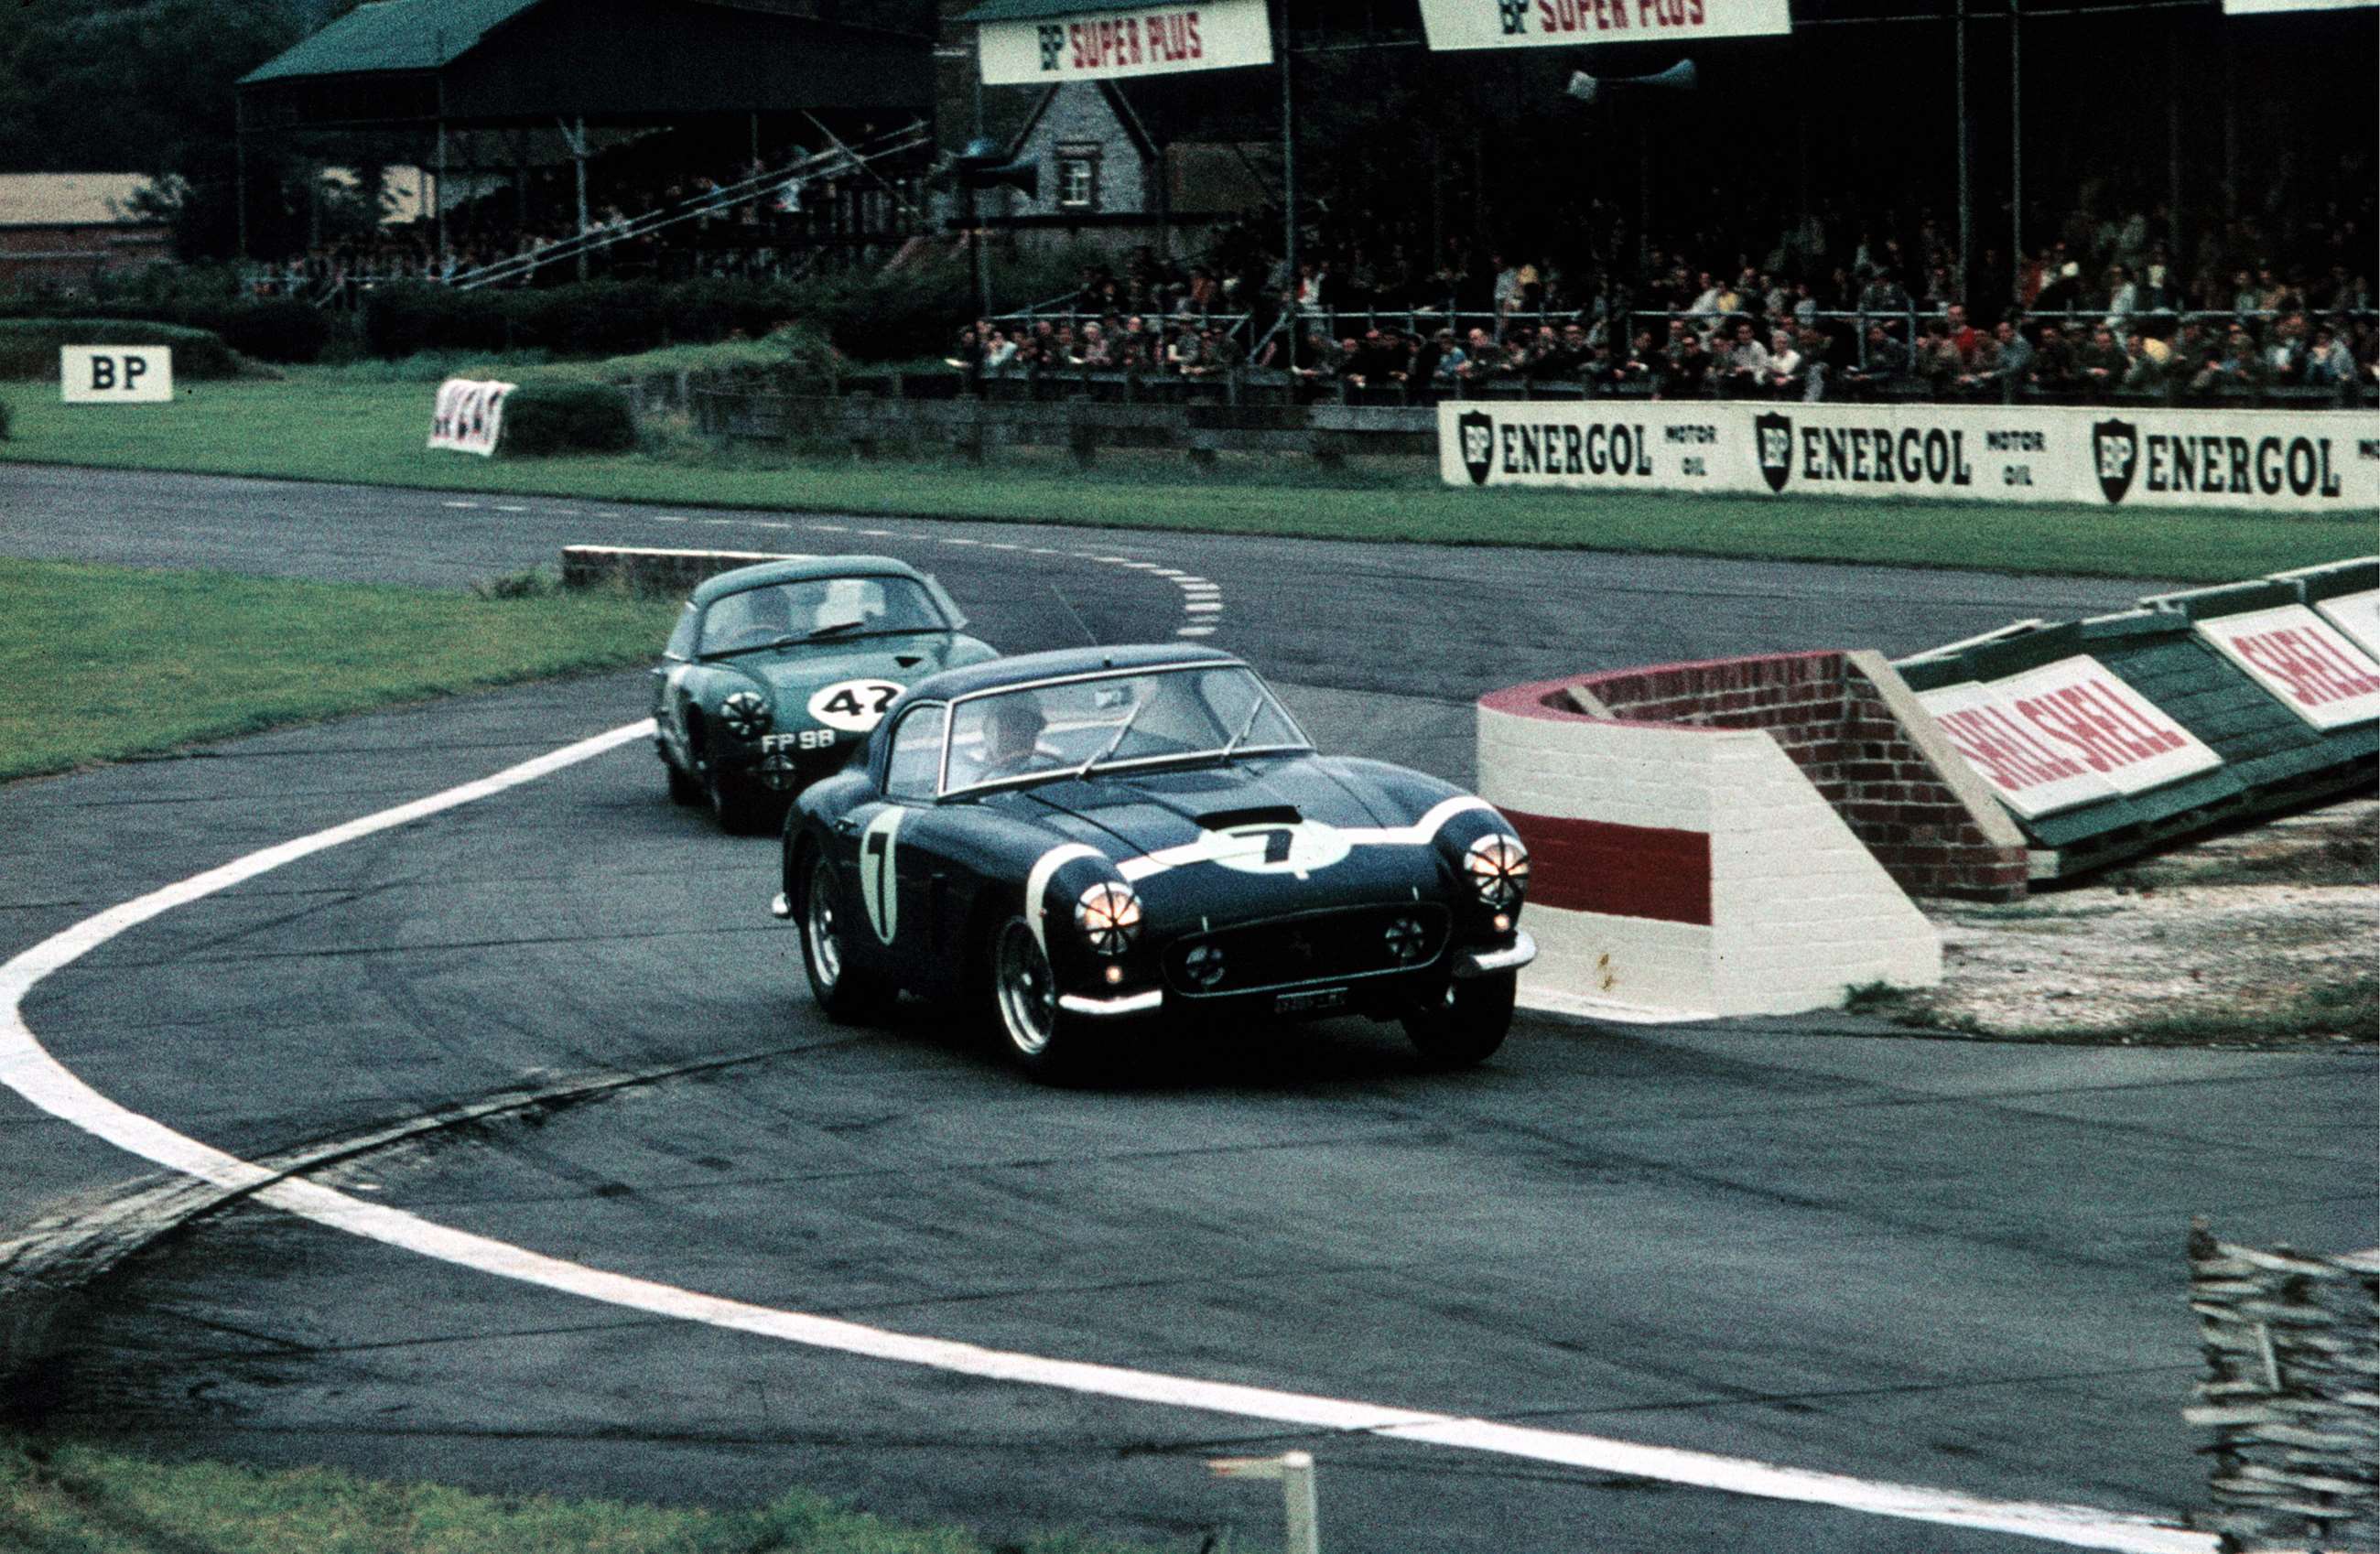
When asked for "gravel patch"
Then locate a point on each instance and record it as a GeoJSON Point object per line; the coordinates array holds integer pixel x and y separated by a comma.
{"type": "Point", "coordinates": [2263, 937]}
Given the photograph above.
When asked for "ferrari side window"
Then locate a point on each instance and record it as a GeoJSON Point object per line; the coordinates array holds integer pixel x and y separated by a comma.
{"type": "Point", "coordinates": [916, 757]}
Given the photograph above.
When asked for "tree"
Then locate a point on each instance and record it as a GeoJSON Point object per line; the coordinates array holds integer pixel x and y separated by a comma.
{"type": "Point", "coordinates": [149, 87]}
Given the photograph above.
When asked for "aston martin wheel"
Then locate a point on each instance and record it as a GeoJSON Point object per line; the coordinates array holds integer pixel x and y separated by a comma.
{"type": "Point", "coordinates": [742, 805]}
{"type": "Point", "coordinates": [1467, 1023]}
{"type": "Point", "coordinates": [1024, 1001]}
{"type": "Point", "coordinates": [844, 993]}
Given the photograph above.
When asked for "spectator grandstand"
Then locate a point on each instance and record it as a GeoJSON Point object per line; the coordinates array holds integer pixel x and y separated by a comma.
{"type": "Point", "coordinates": [1846, 303]}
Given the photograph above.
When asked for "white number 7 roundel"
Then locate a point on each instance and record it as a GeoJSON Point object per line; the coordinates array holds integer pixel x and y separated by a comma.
{"type": "Point", "coordinates": [877, 888]}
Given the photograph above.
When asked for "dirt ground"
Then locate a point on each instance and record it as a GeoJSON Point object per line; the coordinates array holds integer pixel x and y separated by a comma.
{"type": "Point", "coordinates": [2263, 937]}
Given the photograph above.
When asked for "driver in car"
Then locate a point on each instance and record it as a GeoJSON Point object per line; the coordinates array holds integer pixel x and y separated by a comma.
{"type": "Point", "coordinates": [1012, 739]}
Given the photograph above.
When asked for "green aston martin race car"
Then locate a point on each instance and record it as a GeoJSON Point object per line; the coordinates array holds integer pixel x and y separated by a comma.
{"type": "Point", "coordinates": [776, 672]}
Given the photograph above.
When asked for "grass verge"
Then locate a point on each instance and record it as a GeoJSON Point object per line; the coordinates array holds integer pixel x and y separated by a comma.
{"type": "Point", "coordinates": [72, 1498]}
{"type": "Point", "coordinates": [359, 426]}
{"type": "Point", "coordinates": [107, 663]}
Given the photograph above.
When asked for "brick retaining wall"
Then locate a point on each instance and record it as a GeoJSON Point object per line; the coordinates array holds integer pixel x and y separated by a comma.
{"type": "Point", "coordinates": [1834, 713]}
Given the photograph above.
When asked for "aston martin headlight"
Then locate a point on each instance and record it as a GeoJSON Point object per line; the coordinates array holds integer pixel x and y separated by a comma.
{"type": "Point", "coordinates": [745, 715]}
{"type": "Point", "coordinates": [1109, 915]}
{"type": "Point", "coordinates": [1499, 870]}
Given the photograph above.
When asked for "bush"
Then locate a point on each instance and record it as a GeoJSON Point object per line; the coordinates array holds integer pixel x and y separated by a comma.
{"type": "Point", "coordinates": [416, 316]}
{"type": "Point", "coordinates": [29, 347]}
{"type": "Point", "coordinates": [280, 329]}
{"type": "Point", "coordinates": [541, 419]}
{"type": "Point", "coordinates": [268, 329]}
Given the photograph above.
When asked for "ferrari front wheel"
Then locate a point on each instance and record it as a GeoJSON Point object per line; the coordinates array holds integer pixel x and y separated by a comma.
{"type": "Point", "coordinates": [1466, 1024]}
{"type": "Point", "coordinates": [845, 994]}
{"type": "Point", "coordinates": [1024, 1001]}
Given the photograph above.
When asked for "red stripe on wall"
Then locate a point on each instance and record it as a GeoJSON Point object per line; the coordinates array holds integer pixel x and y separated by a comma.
{"type": "Point", "coordinates": [1620, 871]}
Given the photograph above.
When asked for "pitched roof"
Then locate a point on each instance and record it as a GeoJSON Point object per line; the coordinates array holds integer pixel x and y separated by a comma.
{"type": "Point", "coordinates": [1117, 102]}
{"type": "Point", "coordinates": [391, 35]}
{"type": "Point", "coordinates": [71, 199]}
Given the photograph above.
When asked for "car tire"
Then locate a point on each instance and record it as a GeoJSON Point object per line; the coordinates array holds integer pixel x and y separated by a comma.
{"type": "Point", "coordinates": [683, 789]}
{"type": "Point", "coordinates": [844, 993]}
{"type": "Point", "coordinates": [740, 805]}
{"type": "Point", "coordinates": [1465, 1024]}
{"type": "Point", "coordinates": [1037, 1034]}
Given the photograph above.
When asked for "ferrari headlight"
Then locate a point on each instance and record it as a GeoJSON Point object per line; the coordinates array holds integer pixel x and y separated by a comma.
{"type": "Point", "coordinates": [1498, 867]}
{"type": "Point", "coordinates": [745, 715]}
{"type": "Point", "coordinates": [1109, 915]}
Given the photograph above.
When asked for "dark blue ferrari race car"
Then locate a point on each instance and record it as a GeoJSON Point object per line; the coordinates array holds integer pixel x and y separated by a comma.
{"type": "Point", "coordinates": [1083, 842]}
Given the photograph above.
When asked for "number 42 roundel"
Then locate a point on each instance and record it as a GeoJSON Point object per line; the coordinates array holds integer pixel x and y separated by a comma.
{"type": "Point", "coordinates": [853, 706]}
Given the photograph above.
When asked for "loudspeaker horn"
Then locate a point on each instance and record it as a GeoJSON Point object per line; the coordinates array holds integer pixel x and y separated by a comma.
{"type": "Point", "coordinates": [1680, 77]}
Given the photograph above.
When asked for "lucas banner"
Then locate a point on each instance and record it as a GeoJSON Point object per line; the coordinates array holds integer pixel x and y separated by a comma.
{"type": "Point", "coordinates": [2298, 461]}
{"type": "Point", "coordinates": [1510, 24]}
{"type": "Point", "coordinates": [1117, 45]}
{"type": "Point", "coordinates": [469, 416]}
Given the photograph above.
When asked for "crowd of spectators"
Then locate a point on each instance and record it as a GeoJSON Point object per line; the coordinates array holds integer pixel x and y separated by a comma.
{"type": "Point", "coordinates": [761, 235]}
{"type": "Point", "coordinates": [2103, 309]}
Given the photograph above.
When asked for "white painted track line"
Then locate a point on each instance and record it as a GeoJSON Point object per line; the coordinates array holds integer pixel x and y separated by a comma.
{"type": "Point", "coordinates": [28, 1068]}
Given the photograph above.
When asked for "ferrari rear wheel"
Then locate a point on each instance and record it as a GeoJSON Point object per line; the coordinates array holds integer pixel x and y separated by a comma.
{"type": "Point", "coordinates": [1467, 1023]}
{"type": "Point", "coordinates": [845, 994]}
{"type": "Point", "coordinates": [1024, 1001]}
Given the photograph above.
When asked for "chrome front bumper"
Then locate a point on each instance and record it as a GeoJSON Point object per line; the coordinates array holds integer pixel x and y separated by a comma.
{"type": "Point", "coordinates": [1110, 1008]}
{"type": "Point", "coordinates": [1487, 963]}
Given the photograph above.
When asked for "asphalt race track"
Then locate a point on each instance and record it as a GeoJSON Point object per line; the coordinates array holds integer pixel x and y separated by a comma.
{"type": "Point", "coordinates": [1811, 1244]}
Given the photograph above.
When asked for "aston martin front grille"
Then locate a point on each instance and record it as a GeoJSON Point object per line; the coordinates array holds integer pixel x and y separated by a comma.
{"type": "Point", "coordinates": [1313, 947]}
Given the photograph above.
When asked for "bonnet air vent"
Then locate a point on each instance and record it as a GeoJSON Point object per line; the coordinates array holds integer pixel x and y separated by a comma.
{"type": "Point", "coordinates": [908, 660]}
{"type": "Point", "coordinates": [1270, 814]}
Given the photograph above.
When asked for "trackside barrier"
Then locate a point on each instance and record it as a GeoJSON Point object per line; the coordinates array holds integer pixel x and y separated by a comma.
{"type": "Point", "coordinates": [2309, 461]}
{"type": "Point", "coordinates": [651, 572]}
{"type": "Point", "coordinates": [2106, 737]}
{"type": "Point", "coordinates": [1687, 869]}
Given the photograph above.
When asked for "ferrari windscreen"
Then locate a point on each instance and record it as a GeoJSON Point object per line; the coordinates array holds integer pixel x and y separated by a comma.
{"type": "Point", "coordinates": [1084, 726]}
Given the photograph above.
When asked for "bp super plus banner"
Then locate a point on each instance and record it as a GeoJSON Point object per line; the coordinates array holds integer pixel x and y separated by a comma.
{"type": "Point", "coordinates": [1122, 44]}
{"type": "Point", "coordinates": [1505, 24]}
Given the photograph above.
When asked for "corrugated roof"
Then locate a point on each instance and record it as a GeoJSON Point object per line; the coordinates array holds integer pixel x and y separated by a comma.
{"type": "Point", "coordinates": [70, 200]}
{"type": "Point", "coordinates": [391, 35]}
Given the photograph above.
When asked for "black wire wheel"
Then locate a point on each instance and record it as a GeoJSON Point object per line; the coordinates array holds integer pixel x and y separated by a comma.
{"type": "Point", "coordinates": [844, 993]}
{"type": "Point", "coordinates": [1464, 1025]}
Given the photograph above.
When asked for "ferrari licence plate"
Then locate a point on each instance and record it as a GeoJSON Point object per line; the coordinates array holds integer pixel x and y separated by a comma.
{"type": "Point", "coordinates": [1310, 1001]}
